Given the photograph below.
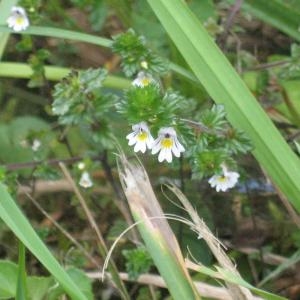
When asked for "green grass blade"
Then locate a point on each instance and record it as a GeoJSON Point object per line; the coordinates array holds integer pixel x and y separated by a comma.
{"type": "Point", "coordinates": [21, 293]}
{"type": "Point", "coordinates": [284, 15]}
{"type": "Point", "coordinates": [62, 34]}
{"type": "Point", "coordinates": [20, 70]}
{"type": "Point", "coordinates": [226, 87]}
{"type": "Point", "coordinates": [17, 222]}
{"type": "Point", "coordinates": [83, 37]}
{"type": "Point", "coordinates": [289, 263]}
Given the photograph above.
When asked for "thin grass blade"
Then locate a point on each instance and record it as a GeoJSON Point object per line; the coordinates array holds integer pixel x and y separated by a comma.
{"type": "Point", "coordinates": [21, 293]}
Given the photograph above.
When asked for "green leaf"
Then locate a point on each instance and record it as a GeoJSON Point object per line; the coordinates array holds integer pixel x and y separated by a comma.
{"type": "Point", "coordinates": [38, 287]}
{"type": "Point", "coordinates": [17, 222]}
{"type": "Point", "coordinates": [17, 137]}
{"type": "Point", "coordinates": [8, 279]}
{"type": "Point", "coordinates": [81, 280]}
{"type": "Point", "coordinates": [225, 86]}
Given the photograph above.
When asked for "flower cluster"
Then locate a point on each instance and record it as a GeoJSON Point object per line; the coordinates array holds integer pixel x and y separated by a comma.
{"type": "Point", "coordinates": [166, 143]}
{"type": "Point", "coordinates": [18, 19]}
{"type": "Point", "coordinates": [145, 101]}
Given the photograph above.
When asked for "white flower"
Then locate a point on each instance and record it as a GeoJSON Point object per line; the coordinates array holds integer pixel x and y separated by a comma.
{"type": "Point", "coordinates": [167, 143]}
{"type": "Point", "coordinates": [17, 20]}
{"type": "Point", "coordinates": [225, 181]}
{"type": "Point", "coordinates": [85, 180]}
{"type": "Point", "coordinates": [142, 80]}
{"type": "Point", "coordinates": [140, 137]}
{"type": "Point", "coordinates": [36, 144]}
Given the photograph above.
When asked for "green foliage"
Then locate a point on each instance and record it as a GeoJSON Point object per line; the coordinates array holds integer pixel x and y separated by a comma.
{"type": "Point", "coordinates": [78, 95]}
{"type": "Point", "coordinates": [138, 261]}
{"type": "Point", "coordinates": [18, 138]}
{"type": "Point", "coordinates": [92, 109]}
{"type": "Point", "coordinates": [36, 62]}
{"type": "Point", "coordinates": [149, 105]}
{"type": "Point", "coordinates": [39, 287]}
{"type": "Point", "coordinates": [134, 53]}
{"type": "Point", "coordinates": [80, 279]}
{"type": "Point", "coordinates": [79, 100]}
{"type": "Point", "coordinates": [98, 14]}
{"type": "Point", "coordinates": [8, 279]}
{"type": "Point", "coordinates": [292, 68]}
{"type": "Point", "coordinates": [216, 143]}
{"type": "Point", "coordinates": [19, 224]}
{"type": "Point", "coordinates": [21, 293]}
{"type": "Point", "coordinates": [145, 294]}
{"type": "Point", "coordinates": [214, 118]}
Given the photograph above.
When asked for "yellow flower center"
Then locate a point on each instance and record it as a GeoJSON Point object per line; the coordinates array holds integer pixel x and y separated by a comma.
{"type": "Point", "coordinates": [19, 20]}
{"type": "Point", "coordinates": [145, 81]}
{"type": "Point", "coordinates": [222, 178]}
{"type": "Point", "coordinates": [142, 136]}
{"type": "Point", "coordinates": [166, 143]}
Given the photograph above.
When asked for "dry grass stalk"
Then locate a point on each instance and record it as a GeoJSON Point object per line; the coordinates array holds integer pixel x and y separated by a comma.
{"type": "Point", "coordinates": [154, 228]}
{"type": "Point", "coordinates": [101, 243]}
{"type": "Point", "coordinates": [63, 231]}
{"type": "Point", "coordinates": [237, 292]}
{"type": "Point", "coordinates": [55, 186]}
{"type": "Point", "coordinates": [204, 289]}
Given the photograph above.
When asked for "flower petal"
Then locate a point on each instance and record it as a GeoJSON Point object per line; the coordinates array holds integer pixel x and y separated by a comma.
{"type": "Point", "coordinates": [156, 146]}
{"type": "Point", "coordinates": [140, 146]}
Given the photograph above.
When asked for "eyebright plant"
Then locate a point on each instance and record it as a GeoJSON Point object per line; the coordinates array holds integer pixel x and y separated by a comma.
{"type": "Point", "coordinates": [136, 55]}
{"type": "Point", "coordinates": [162, 120]}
